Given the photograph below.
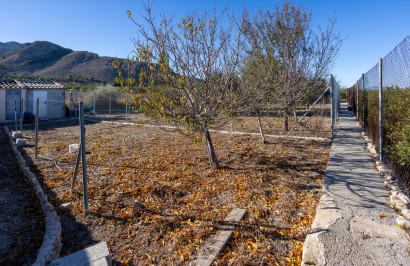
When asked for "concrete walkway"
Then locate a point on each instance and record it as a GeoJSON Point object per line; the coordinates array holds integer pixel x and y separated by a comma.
{"type": "Point", "coordinates": [348, 228]}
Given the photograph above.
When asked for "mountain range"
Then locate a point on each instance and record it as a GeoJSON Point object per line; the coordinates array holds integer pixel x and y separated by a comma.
{"type": "Point", "coordinates": [42, 60]}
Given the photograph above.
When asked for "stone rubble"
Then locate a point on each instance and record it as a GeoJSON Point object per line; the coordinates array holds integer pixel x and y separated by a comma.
{"type": "Point", "coordinates": [398, 199]}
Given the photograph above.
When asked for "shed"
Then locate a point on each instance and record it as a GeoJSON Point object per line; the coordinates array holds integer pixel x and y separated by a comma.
{"type": "Point", "coordinates": [51, 99]}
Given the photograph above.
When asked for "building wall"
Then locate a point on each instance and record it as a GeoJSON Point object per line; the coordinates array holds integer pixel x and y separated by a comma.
{"type": "Point", "coordinates": [56, 103]}
{"type": "Point", "coordinates": [29, 101]}
{"type": "Point", "coordinates": [2, 105]}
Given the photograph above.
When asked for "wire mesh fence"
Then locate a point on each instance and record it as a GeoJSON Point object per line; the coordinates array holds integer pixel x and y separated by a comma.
{"type": "Point", "coordinates": [381, 101]}
{"type": "Point", "coordinates": [309, 117]}
{"type": "Point", "coordinates": [100, 101]}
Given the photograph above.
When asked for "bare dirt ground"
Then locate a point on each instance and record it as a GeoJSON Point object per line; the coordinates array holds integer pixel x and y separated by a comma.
{"type": "Point", "coordinates": [21, 219]}
{"type": "Point", "coordinates": [154, 199]}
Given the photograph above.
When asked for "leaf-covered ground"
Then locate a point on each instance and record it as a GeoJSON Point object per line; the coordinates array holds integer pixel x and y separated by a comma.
{"type": "Point", "coordinates": [154, 199]}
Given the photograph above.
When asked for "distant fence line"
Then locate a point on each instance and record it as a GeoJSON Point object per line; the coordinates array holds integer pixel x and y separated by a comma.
{"type": "Point", "coordinates": [380, 100]}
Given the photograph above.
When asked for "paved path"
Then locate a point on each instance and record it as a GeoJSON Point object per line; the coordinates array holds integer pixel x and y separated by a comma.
{"type": "Point", "coordinates": [348, 229]}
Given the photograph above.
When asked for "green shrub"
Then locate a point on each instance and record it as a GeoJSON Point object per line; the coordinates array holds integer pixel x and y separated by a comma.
{"type": "Point", "coordinates": [396, 124]}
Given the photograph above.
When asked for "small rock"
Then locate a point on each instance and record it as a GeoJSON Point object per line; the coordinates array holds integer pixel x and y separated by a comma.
{"type": "Point", "coordinates": [372, 151]}
{"type": "Point", "coordinates": [381, 168]}
{"type": "Point", "coordinates": [387, 183]}
{"type": "Point", "coordinates": [397, 203]}
{"type": "Point", "coordinates": [20, 142]}
{"type": "Point", "coordinates": [65, 206]}
{"type": "Point", "coordinates": [388, 177]}
{"type": "Point", "coordinates": [403, 222]}
{"type": "Point", "coordinates": [406, 213]}
{"type": "Point", "coordinates": [403, 198]}
{"type": "Point", "coordinates": [394, 192]}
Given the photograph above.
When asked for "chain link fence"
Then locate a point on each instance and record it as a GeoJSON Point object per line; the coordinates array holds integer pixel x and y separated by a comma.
{"type": "Point", "coordinates": [102, 101]}
{"type": "Point", "coordinates": [310, 116]}
{"type": "Point", "coordinates": [380, 100]}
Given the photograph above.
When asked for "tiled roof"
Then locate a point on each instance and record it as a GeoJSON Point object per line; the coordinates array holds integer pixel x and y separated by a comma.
{"type": "Point", "coordinates": [8, 84]}
{"type": "Point", "coordinates": [18, 84]}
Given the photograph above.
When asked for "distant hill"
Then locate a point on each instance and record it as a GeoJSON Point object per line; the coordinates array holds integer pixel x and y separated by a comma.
{"type": "Point", "coordinates": [48, 61]}
{"type": "Point", "coordinates": [8, 47]}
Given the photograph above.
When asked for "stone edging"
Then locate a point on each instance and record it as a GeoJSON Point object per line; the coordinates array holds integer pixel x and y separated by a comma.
{"type": "Point", "coordinates": [50, 249]}
{"type": "Point", "coordinates": [398, 198]}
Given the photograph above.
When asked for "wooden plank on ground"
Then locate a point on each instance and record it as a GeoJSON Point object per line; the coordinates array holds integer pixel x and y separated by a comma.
{"type": "Point", "coordinates": [217, 242]}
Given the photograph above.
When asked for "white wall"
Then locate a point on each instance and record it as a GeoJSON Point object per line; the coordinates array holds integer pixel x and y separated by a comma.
{"type": "Point", "coordinates": [2, 105]}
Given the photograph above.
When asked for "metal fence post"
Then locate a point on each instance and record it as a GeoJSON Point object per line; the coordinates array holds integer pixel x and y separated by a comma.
{"type": "Point", "coordinates": [71, 95]}
{"type": "Point", "coordinates": [94, 102]}
{"type": "Point", "coordinates": [363, 98]}
{"type": "Point", "coordinates": [84, 165]}
{"type": "Point", "coordinates": [21, 114]}
{"type": "Point", "coordinates": [37, 118]}
{"type": "Point", "coordinates": [357, 100]}
{"type": "Point", "coordinates": [380, 109]}
{"type": "Point", "coordinates": [332, 109]}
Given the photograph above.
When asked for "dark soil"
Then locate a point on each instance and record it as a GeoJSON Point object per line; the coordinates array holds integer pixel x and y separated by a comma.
{"type": "Point", "coordinates": [21, 218]}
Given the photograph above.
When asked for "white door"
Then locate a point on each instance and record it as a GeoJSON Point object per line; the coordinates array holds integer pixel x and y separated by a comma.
{"type": "Point", "coordinates": [42, 95]}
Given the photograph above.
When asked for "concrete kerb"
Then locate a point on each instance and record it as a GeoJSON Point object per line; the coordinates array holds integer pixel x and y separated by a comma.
{"type": "Point", "coordinates": [51, 247]}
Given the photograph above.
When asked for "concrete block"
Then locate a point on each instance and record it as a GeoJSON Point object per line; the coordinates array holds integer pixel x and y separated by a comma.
{"type": "Point", "coordinates": [216, 243]}
{"type": "Point", "coordinates": [20, 142]}
{"type": "Point", "coordinates": [16, 134]}
{"type": "Point", "coordinates": [73, 148]}
{"type": "Point", "coordinates": [97, 255]}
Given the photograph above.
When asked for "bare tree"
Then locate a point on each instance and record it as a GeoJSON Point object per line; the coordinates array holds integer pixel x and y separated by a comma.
{"type": "Point", "coordinates": [192, 70]}
{"type": "Point", "coordinates": [291, 58]}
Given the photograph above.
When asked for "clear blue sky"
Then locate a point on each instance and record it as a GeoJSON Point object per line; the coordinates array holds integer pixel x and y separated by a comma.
{"type": "Point", "coordinates": [371, 27]}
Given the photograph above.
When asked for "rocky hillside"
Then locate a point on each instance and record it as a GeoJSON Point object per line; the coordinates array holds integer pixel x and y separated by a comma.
{"type": "Point", "coordinates": [8, 47]}
{"type": "Point", "coordinates": [49, 61]}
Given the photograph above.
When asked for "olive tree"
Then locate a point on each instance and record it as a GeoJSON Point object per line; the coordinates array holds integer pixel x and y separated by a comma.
{"type": "Point", "coordinates": [191, 78]}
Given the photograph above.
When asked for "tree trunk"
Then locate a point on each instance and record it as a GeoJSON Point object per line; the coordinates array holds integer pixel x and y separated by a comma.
{"type": "Point", "coordinates": [295, 113]}
{"type": "Point", "coordinates": [261, 130]}
{"type": "Point", "coordinates": [286, 118]}
{"type": "Point", "coordinates": [213, 160]}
